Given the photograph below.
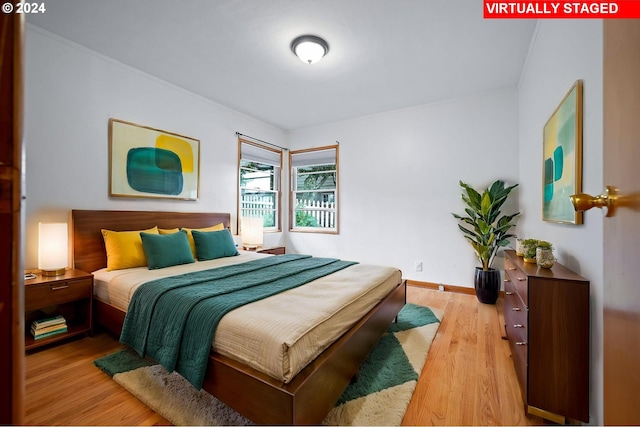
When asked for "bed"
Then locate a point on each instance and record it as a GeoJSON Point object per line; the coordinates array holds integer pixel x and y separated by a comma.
{"type": "Point", "coordinates": [265, 399]}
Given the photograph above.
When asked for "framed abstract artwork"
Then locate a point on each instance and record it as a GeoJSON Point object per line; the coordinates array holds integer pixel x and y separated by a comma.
{"type": "Point", "coordinates": [562, 159]}
{"type": "Point", "coordinates": [147, 162]}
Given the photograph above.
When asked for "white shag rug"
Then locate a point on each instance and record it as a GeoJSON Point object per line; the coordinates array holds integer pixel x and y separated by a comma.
{"type": "Point", "coordinates": [381, 396]}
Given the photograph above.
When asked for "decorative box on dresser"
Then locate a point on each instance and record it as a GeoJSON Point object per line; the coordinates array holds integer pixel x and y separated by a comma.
{"type": "Point", "coordinates": [546, 314]}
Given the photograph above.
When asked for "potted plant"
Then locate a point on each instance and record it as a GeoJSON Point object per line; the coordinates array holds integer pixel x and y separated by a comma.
{"type": "Point", "coordinates": [544, 254]}
{"type": "Point", "coordinates": [529, 252]}
{"type": "Point", "coordinates": [519, 247]}
{"type": "Point", "coordinates": [487, 230]}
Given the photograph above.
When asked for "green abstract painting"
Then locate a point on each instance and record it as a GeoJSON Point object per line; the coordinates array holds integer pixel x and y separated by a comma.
{"type": "Point", "coordinates": [146, 162]}
{"type": "Point", "coordinates": [562, 159]}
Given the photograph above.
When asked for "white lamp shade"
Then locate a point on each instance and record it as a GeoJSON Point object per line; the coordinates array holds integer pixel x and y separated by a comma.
{"type": "Point", "coordinates": [53, 247]}
{"type": "Point", "coordinates": [252, 232]}
{"type": "Point", "coordinates": [309, 49]}
{"type": "Point", "coordinates": [310, 52]}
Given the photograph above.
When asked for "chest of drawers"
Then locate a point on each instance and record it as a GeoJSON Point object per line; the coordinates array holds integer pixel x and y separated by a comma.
{"type": "Point", "coordinates": [546, 314]}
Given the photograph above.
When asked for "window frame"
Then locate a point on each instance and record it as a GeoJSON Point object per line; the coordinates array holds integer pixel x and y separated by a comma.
{"type": "Point", "coordinates": [293, 192]}
{"type": "Point", "coordinates": [277, 175]}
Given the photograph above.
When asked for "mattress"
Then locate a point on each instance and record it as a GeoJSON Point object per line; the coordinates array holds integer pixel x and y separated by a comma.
{"type": "Point", "coordinates": [282, 334]}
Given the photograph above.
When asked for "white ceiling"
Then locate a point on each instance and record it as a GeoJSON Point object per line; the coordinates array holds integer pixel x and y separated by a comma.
{"type": "Point", "coordinates": [384, 54]}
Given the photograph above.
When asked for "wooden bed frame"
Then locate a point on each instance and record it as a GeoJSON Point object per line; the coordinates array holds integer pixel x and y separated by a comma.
{"type": "Point", "coordinates": [309, 396]}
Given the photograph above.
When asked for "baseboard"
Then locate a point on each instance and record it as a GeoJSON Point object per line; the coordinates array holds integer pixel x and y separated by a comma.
{"type": "Point", "coordinates": [446, 288]}
{"type": "Point", "coordinates": [437, 287]}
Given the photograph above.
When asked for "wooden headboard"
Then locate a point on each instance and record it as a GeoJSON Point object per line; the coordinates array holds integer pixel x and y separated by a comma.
{"type": "Point", "coordinates": [88, 245]}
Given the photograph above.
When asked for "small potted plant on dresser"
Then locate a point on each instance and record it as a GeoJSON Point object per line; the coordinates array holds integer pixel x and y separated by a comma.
{"type": "Point", "coordinates": [519, 247]}
{"type": "Point", "coordinates": [487, 230]}
{"type": "Point", "coordinates": [529, 250]}
{"type": "Point", "coordinates": [544, 254]}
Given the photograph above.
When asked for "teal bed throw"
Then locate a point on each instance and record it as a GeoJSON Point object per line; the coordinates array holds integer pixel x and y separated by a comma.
{"type": "Point", "coordinates": [173, 320]}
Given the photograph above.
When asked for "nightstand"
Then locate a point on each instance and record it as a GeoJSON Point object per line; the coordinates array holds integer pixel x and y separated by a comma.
{"type": "Point", "coordinates": [70, 295]}
{"type": "Point", "coordinates": [278, 250]}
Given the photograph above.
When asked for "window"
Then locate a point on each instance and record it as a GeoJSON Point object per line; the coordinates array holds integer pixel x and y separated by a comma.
{"type": "Point", "coordinates": [314, 189]}
{"type": "Point", "coordinates": [259, 181]}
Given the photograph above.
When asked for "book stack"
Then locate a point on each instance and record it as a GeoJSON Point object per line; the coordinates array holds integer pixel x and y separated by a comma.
{"type": "Point", "coordinates": [46, 327]}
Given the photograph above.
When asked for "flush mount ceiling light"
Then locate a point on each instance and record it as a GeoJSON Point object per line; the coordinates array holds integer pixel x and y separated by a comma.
{"type": "Point", "coordinates": [309, 49]}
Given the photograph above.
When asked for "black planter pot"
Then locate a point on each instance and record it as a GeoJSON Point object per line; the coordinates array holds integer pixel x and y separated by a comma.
{"type": "Point", "coordinates": [487, 285]}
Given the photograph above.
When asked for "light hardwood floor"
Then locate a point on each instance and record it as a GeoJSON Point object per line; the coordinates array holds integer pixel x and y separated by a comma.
{"type": "Point", "coordinates": [468, 378]}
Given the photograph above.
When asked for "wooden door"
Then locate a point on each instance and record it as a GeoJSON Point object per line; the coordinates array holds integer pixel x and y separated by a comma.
{"type": "Point", "coordinates": [622, 231]}
{"type": "Point", "coordinates": [11, 178]}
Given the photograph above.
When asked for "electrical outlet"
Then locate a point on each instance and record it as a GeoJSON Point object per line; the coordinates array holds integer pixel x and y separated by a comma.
{"type": "Point", "coordinates": [441, 287]}
{"type": "Point", "coordinates": [418, 265]}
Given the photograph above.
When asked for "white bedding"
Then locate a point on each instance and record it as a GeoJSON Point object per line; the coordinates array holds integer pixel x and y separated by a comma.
{"type": "Point", "coordinates": [279, 335]}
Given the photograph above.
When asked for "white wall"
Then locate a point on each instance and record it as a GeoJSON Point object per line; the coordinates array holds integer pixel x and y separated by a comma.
{"type": "Point", "coordinates": [398, 185]}
{"type": "Point", "coordinates": [71, 92]}
{"type": "Point", "coordinates": [562, 52]}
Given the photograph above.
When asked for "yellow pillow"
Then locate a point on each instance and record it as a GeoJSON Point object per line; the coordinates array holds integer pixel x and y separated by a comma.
{"type": "Point", "coordinates": [124, 248]}
{"type": "Point", "coordinates": [216, 227]}
{"type": "Point", "coordinates": [168, 230]}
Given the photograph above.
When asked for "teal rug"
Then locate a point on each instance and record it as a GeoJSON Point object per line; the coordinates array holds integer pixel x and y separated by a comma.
{"type": "Point", "coordinates": [381, 395]}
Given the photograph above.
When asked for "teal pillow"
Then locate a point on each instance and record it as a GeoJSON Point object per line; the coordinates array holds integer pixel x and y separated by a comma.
{"type": "Point", "coordinates": [214, 244]}
{"type": "Point", "coordinates": [165, 250]}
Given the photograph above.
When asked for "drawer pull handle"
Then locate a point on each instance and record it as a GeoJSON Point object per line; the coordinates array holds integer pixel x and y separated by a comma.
{"type": "Point", "coordinates": [521, 343]}
{"type": "Point", "coordinates": [518, 325]}
{"type": "Point", "coordinates": [57, 288]}
{"type": "Point", "coordinates": [515, 309]}
{"type": "Point", "coordinates": [511, 268]}
{"type": "Point", "coordinates": [522, 278]}
{"type": "Point", "coordinates": [509, 293]}
{"type": "Point", "coordinates": [506, 279]}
